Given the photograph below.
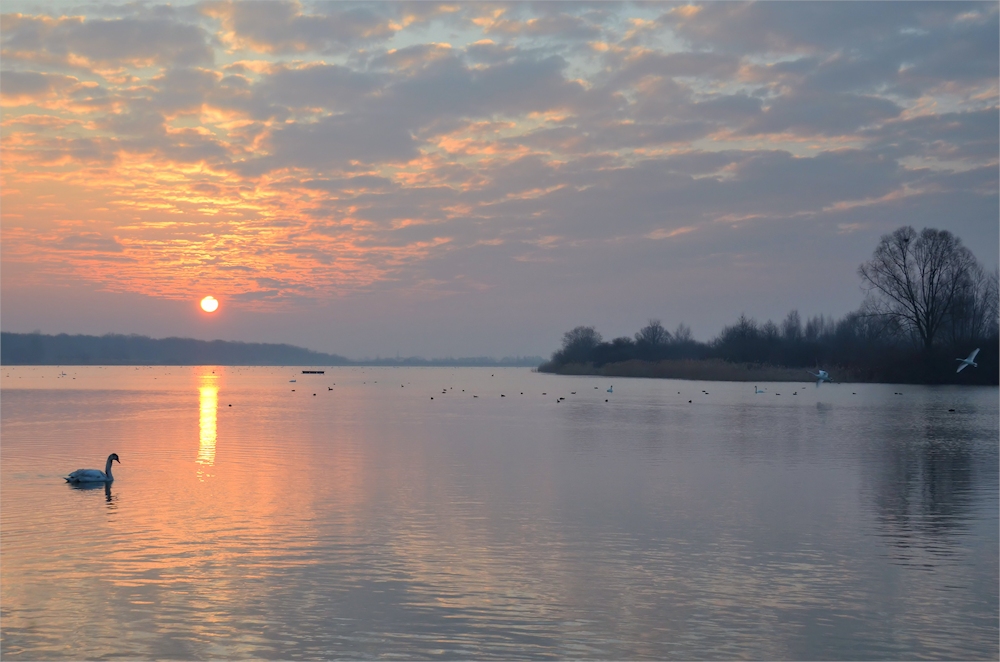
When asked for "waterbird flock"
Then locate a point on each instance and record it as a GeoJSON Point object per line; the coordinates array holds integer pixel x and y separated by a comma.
{"type": "Point", "coordinates": [96, 476]}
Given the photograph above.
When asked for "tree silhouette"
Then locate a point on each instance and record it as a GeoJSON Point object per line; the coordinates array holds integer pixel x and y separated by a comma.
{"type": "Point", "coordinates": [653, 334]}
{"type": "Point", "coordinates": [916, 279]}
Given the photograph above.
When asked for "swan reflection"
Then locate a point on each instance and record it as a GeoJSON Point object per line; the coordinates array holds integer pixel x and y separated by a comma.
{"type": "Point", "coordinates": [94, 486]}
{"type": "Point", "coordinates": [208, 405]}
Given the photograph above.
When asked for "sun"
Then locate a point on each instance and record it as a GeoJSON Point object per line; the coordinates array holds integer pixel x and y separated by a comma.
{"type": "Point", "coordinates": [209, 304]}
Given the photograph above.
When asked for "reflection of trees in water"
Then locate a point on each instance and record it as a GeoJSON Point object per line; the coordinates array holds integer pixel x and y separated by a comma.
{"type": "Point", "coordinates": [924, 496]}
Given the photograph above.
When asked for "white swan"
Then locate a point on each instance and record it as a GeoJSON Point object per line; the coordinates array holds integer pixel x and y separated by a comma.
{"type": "Point", "coordinates": [821, 376]}
{"type": "Point", "coordinates": [611, 389]}
{"type": "Point", "coordinates": [759, 390]}
{"type": "Point", "coordinates": [969, 361]}
{"type": "Point", "coordinates": [93, 475]}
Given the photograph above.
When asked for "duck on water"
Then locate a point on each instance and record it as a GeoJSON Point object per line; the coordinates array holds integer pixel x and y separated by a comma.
{"type": "Point", "coordinates": [94, 475]}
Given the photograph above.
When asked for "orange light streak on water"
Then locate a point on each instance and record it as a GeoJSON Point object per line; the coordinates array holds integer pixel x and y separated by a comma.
{"type": "Point", "coordinates": [207, 424]}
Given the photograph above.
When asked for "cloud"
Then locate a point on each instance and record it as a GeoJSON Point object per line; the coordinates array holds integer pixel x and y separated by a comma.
{"type": "Point", "coordinates": [444, 87]}
{"type": "Point", "coordinates": [19, 88]}
{"type": "Point", "coordinates": [344, 148]}
{"type": "Point", "coordinates": [282, 27]}
{"type": "Point", "coordinates": [745, 27]}
{"type": "Point", "coordinates": [76, 41]}
{"type": "Point", "coordinates": [336, 141]}
{"type": "Point", "coordinates": [88, 242]}
{"type": "Point", "coordinates": [970, 136]}
{"type": "Point", "coordinates": [827, 114]}
{"type": "Point", "coordinates": [322, 86]}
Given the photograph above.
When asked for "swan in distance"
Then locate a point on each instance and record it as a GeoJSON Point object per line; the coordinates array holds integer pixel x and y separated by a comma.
{"type": "Point", "coordinates": [759, 390]}
{"type": "Point", "coordinates": [965, 363]}
{"type": "Point", "coordinates": [94, 475]}
{"type": "Point", "coordinates": [821, 376]}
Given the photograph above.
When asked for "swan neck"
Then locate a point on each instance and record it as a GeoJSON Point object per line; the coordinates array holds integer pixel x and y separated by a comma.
{"type": "Point", "coordinates": [107, 469]}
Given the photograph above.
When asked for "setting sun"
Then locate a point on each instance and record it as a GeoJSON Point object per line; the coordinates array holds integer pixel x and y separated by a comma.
{"type": "Point", "coordinates": [209, 304]}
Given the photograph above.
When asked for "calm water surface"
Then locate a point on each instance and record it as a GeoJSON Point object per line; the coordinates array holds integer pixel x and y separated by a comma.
{"type": "Point", "coordinates": [351, 515]}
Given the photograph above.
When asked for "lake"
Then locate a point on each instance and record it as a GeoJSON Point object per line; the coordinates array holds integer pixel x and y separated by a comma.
{"type": "Point", "coordinates": [470, 513]}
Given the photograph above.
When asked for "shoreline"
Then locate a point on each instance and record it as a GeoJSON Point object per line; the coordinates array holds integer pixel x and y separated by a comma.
{"type": "Point", "coordinates": [711, 370]}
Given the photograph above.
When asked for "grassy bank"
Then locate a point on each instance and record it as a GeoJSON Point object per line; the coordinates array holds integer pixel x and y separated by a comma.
{"type": "Point", "coordinates": [715, 370]}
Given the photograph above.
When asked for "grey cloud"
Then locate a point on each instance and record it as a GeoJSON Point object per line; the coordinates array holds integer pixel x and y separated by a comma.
{"type": "Point", "coordinates": [587, 137]}
{"type": "Point", "coordinates": [366, 182]}
{"type": "Point", "coordinates": [111, 41]}
{"type": "Point", "coordinates": [667, 100]}
{"type": "Point", "coordinates": [959, 52]}
{"type": "Point", "coordinates": [142, 130]}
{"type": "Point", "coordinates": [766, 27]}
{"type": "Point", "coordinates": [32, 83]}
{"type": "Point", "coordinates": [140, 118]}
{"type": "Point", "coordinates": [872, 47]}
{"type": "Point", "coordinates": [338, 139]}
{"type": "Point", "coordinates": [260, 295]}
{"type": "Point", "coordinates": [561, 24]}
{"type": "Point", "coordinates": [786, 184]}
{"type": "Point", "coordinates": [829, 114]}
{"type": "Point", "coordinates": [695, 163]}
{"type": "Point", "coordinates": [731, 109]}
{"type": "Point", "coordinates": [382, 126]}
{"type": "Point", "coordinates": [634, 134]}
{"type": "Point", "coordinates": [701, 64]}
{"type": "Point", "coordinates": [976, 180]}
{"type": "Point", "coordinates": [972, 136]}
{"type": "Point", "coordinates": [322, 85]}
{"type": "Point", "coordinates": [491, 53]}
{"type": "Point", "coordinates": [280, 26]}
{"type": "Point", "coordinates": [183, 89]}
{"type": "Point", "coordinates": [523, 174]}
{"type": "Point", "coordinates": [88, 241]}
{"type": "Point", "coordinates": [908, 64]}
{"type": "Point", "coordinates": [23, 33]}
{"type": "Point", "coordinates": [657, 193]}
{"type": "Point", "coordinates": [92, 151]}
{"type": "Point", "coordinates": [185, 146]}
{"type": "Point", "coordinates": [446, 87]}
{"type": "Point", "coordinates": [108, 41]}
{"type": "Point", "coordinates": [206, 188]}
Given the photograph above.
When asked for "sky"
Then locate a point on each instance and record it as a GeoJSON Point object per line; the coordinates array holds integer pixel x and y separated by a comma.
{"type": "Point", "coordinates": [464, 179]}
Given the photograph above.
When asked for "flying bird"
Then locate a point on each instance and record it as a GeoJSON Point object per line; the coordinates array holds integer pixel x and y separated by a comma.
{"type": "Point", "coordinates": [821, 376]}
{"type": "Point", "coordinates": [969, 361]}
{"type": "Point", "coordinates": [94, 475]}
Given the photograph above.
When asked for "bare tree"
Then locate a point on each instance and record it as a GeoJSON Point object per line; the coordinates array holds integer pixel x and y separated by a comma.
{"type": "Point", "coordinates": [579, 343]}
{"type": "Point", "coordinates": [791, 328]}
{"type": "Point", "coordinates": [973, 315]}
{"type": "Point", "coordinates": [682, 334]}
{"type": "Point", "coordinates": [818, 326]}
{"type": "Point", "coordinates": [653, 334]}
{"type": "Point", "coordinates": [915, 279]}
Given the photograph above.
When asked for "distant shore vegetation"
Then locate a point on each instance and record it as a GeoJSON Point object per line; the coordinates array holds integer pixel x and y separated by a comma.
{"type": "Point", "coordinates": [928, 302]}
{"type": "Point", "coordinates": [117, 349]}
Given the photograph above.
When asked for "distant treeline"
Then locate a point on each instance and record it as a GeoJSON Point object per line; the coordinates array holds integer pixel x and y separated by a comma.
{"type": "Point", "coordinates": [928, 303]}
{"type": "Point", "coordinates": [115, 349]}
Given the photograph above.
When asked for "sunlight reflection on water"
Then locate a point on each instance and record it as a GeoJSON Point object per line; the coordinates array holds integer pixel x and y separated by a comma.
{"type": "Point", "coordinates": [367, 520]}
{"type": "Point", "coordinates": [207, 422]}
